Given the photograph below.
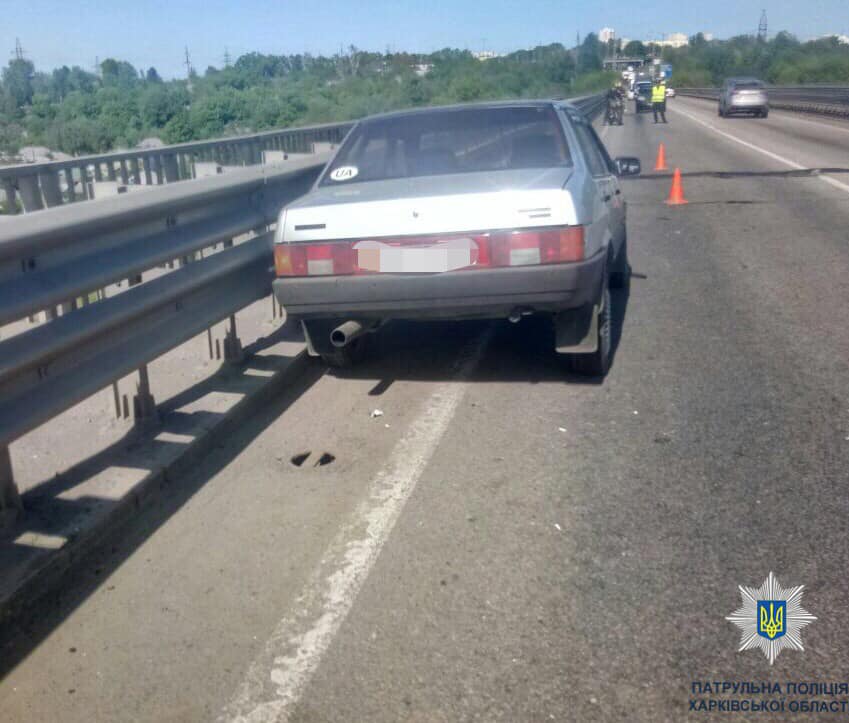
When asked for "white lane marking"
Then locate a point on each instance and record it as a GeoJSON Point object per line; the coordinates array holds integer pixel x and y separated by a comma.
{"type": "Point", "coordinates": [781, 159]}
{"type": "Point", "coordinates": [277, 678]}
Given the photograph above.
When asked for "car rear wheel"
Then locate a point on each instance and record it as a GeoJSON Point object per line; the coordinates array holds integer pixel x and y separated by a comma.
{"type": "Point", "coordinates": [765, 113]}
{"type": "Point", "coordinates": [597, 364]}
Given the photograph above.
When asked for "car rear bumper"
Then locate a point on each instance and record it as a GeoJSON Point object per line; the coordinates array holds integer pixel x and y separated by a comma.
{"type": "Point", "coordinates": [484, 293]}
{"type": "Point", "coordinates": [747, 105]}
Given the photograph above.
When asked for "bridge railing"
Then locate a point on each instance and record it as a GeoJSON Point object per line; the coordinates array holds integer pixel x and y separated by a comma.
{"type": "Point", "coordinates": [36, 186]}
{"type": "Point", "coordinates": [830, 100]}
{"type": "Point", "coordinates": [186, 255]}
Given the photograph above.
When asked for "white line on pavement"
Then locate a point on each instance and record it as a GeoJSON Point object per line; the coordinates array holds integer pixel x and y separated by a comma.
{"type": "Point", "coordinates": [781, 159]}
{"type": "Point", "coordinates": [277, 678]}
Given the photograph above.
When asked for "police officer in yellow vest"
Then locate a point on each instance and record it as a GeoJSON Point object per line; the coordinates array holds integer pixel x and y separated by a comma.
{"type": "Point", "coordinates": [658, 99]}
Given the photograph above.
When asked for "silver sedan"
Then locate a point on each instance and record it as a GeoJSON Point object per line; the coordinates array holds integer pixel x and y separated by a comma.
{"type": "Point", "coordinates": [495, 210]}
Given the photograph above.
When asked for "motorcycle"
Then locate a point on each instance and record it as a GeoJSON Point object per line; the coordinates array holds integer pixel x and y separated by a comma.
{"type": "Point", "coordinates": [615, 112]}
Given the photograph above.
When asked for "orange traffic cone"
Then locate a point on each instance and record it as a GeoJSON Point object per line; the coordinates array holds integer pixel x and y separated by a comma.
{"type": "Point", "coordinates": [660, 164]}
{"type": "Point", "coordinates": [676, 193]}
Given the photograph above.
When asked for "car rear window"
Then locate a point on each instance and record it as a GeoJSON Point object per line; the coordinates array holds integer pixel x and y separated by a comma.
{"type": "Point", "coordinates": [453, 141]}
{"type": "Point", "coordinates": [748, 85]}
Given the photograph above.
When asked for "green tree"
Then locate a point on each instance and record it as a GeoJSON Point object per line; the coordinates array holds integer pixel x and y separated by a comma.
{"type": "Point", "coordinates": [17, 81]}
{"type": "Point", "coordinates": [634, 49]}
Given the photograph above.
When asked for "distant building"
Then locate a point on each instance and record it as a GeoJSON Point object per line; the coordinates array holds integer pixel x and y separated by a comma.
{"type": "Point", "coordinates": [605, 35]}
{"type": "Point", "coordinates": [485, 55]}
{"type": "Point", "coordinates": [842, 39]}
{"type": "Point", "coordinates": [422, 69]}
{"type": "Point", "coordinates": [673, 40]}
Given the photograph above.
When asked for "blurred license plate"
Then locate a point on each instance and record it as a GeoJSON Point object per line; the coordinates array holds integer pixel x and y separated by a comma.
{"type": "Point", "coordinates": [418, 259]}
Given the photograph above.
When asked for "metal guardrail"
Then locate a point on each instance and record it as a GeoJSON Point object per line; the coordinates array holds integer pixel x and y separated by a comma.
{"type": "Point", "coordinates": [830, 100]}
{"type": "Point", "coordinates": [63, 256]}
{"type": "Point", "coordinates": [44, 185]}
{"type": "Point", "coordinates": [52, 261]}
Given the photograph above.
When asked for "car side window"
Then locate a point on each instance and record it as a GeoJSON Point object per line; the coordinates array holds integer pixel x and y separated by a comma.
{"type": "Point", "coordinates": [590, 148]}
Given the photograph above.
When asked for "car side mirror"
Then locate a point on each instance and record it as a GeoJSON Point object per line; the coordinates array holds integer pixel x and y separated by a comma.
{"type": "Point", "coordinates": [628, 166]}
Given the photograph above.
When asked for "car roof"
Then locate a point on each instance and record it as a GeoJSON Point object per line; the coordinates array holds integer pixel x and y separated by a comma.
{"type": "Point", "coordinates": [745, 79]}
{"type": "Point", "coordinates": [468, 106]}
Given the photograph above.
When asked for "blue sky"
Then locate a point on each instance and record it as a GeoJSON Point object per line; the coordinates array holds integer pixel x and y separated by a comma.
{"type": "Point", "coordinates": [155, 32]}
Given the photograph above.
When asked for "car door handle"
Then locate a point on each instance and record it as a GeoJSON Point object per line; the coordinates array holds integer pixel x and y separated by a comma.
{"type": "Point", "coordinates": [618, 191]}
{"type": "Point", "coordinates": [607, 198]}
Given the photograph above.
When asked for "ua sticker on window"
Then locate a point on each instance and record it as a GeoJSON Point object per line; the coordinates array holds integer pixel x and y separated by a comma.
{"type": "Point", "coordinates": [344, 173]}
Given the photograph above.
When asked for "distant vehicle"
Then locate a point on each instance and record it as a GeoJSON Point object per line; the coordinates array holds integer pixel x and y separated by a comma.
{"type": "Point", "coordinates": [642, 95]}
{"type": "Point", "coordinates": [495, 210]}
{"type": "Point", "coordinates": [670, 92]}
{"type": "Point", "coordinates": [743, 95]}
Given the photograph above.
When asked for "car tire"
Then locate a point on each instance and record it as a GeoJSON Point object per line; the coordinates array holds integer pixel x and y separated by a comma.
{"type": "Point", "coordinates": [597, 364]}
{"type": "Point", "coordinates": [719, 111]}
{"type": "Point", "coordinates": [620, 274]}
{"type": "Point", "coordinates": [765, 113]}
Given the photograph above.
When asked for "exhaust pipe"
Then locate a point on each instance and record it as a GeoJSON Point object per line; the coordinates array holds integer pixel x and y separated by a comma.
{"type": "Point", "coordinates": [345, 333]}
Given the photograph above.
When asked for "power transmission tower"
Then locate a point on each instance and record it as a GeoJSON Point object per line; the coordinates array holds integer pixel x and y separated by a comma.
{"type": "Point", "coordinates": [19, 51]}
{"type": "Point", "coordinates": [188, 62]}
{"type": "Point", "coordinates": [226, 58]}
{"type": "Point", "coordinates": [762, 27]}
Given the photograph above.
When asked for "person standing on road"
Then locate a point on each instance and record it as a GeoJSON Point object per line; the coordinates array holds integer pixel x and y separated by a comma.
{"type": "Point", "coordinates": [658, 99]}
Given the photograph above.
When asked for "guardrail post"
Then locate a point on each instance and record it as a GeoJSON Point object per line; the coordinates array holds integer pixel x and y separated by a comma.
{"type": "Point", "coordinates": [122, 166]}
{"type": "Point", "coordinates": [135, 171]}
{"type": "Point", "coordinates": [30, 193]}
{"type": "Point", "coordinates": [110, 171]}
{"type": "Point", "coordinates": [88, 191]}
{"type": "Point", "coordinates": [49, 182]}
{"type": "Point", "coordinates": [69, 181]}
{"type": "Point", "coordinates": [11, 196]}
{"type": "Point", "coordinates": [98, 171]}
{"type": "Point", "coordinates": [146, 166]}
{"type": "Point", "coordinates": [156, 167]}
{"type": "Point", "coordinates": [144, 405]}
{"type": "Point", "coordinates": [233, 353]}
{"type": "Point", "coordinates": [169, 167]}
{"type": "Point", "coordinates": [10, 500]}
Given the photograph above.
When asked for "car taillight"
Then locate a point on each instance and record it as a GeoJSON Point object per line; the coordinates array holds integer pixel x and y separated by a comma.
{"type": "Point", "coordinates": [546, 246]}
{"type": "Point", "coordinates": [526, 247]}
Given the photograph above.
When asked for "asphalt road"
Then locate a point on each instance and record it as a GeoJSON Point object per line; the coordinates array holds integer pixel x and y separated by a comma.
{"type": "Point", "coordinates": [507, 542]}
